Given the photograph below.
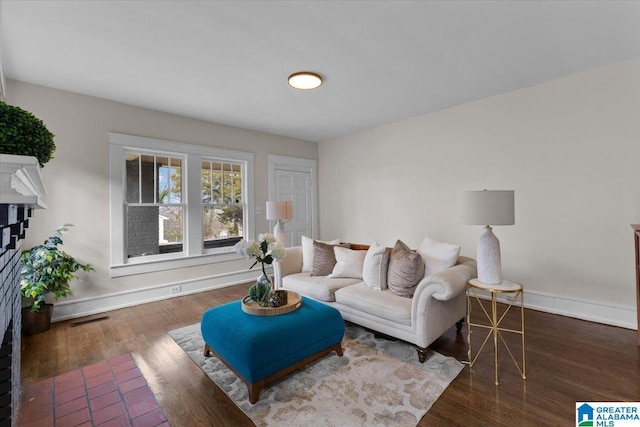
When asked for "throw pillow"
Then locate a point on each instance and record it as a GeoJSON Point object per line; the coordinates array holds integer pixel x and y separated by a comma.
{"type": "Point", "coordinates": [406, 269]}
{"type": "Point", "coordinates": [324, 258]}
{"type": "Point", "coordinates": [307, 252]}
{"type": "Point", "coordinates": [374, 270]}
{"type": "Point", "coordinates": [437, 255]}
{"type": "Point", "coordinates": [349, 263]}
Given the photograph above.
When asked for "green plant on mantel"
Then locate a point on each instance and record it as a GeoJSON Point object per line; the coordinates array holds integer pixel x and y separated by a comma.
{"type": "Point", "coordinates": [47, 269]}
{"type": "Point", "coordinates": [24, 134]}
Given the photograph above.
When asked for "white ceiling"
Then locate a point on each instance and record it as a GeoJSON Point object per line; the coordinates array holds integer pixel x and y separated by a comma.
{"type": "Point", "coordinates": [383, 61]}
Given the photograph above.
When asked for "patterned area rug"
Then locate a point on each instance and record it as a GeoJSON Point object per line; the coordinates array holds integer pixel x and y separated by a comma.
{"type": "Point", "coordinates": [377, 382]}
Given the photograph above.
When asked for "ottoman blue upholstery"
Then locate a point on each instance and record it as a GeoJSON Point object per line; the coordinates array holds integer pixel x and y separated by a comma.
{"type": "Point", "coordinates": [259, 348]}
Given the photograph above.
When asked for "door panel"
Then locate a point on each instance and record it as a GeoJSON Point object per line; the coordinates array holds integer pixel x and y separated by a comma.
{"type": "Point", "coordinates": [296, 186]}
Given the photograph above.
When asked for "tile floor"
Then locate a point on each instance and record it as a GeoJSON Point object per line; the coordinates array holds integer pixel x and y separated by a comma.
{"type": "Point", "coordinates": [109, 393]}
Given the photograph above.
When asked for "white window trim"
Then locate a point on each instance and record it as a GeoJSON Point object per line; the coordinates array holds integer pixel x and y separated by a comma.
{"type": "Point", "coordinates": [193, 251]}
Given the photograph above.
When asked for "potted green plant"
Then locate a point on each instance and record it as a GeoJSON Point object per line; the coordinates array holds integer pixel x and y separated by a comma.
{"type": "Point", "coordinates": [45, 269]}
{"type": "Point", "coordinates": [24, 134]}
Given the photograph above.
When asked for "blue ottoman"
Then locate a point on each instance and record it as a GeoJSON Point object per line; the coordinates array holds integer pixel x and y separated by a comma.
{"type": "Point", "coordinates": [261, 349]}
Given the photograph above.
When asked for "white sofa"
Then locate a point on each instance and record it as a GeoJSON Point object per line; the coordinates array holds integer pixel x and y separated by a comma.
{"type": "Point", "coordinates": [438, 303]}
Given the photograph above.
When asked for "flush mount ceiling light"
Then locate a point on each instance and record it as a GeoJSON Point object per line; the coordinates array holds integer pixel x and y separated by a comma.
{"type": "Point", "coordinates": [305, 80]}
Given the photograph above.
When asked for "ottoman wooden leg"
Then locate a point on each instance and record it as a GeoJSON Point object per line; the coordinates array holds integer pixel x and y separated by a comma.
{"type": "Point", "coordinates": [254, 391]}
{"type": "Point", "coordinates": [338, 349]}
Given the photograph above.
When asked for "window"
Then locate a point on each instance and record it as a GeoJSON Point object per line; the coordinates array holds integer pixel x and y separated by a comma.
{"type": "Point", "coordinates": [155, 212]}
{"type": "Point", "coordinates": [222, 203]}
{"type": "Point", "coordinates": [175, 205]}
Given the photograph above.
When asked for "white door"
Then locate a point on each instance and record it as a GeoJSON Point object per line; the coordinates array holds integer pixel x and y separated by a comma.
{"type": "Point", "coordinates": [296, 186]}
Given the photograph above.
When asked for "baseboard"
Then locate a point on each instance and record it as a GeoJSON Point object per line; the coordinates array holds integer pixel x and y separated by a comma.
{"type": "Point", "coordinates": [88, 306]}
{"type": "Point", "coordinates": [608, 314]}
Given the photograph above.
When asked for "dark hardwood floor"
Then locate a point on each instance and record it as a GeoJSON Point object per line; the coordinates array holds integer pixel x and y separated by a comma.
{"type": "Point", "coordinates": [568, 360]}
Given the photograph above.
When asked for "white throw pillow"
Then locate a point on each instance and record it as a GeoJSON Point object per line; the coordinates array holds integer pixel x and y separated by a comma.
{"type": "Point", "coordinates": [349, 263]}
{"type": "Point", "coordinates": [374, 270]}
{"type": "Point", "coordinates": [307, 252]}
{"type": "Point", "coordinates": [437, 255]}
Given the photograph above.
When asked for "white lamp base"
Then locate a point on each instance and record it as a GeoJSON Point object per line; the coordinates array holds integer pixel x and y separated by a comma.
{"type": "Point", "coordinates": [489, 269]}
{"type": "Point", "coordinates": [278, 232]}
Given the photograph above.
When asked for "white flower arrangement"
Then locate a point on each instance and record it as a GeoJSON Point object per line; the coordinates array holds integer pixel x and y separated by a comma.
{"type": "Point", "coordinates": [265, 250]}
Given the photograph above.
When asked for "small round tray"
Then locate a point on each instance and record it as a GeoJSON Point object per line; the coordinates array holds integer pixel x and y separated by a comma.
{"type": "Point", "coordinates": [293, 303]}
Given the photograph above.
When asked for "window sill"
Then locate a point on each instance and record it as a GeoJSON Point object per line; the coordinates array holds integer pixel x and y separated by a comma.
{"type": "Point", "coordinates": [150, 266]}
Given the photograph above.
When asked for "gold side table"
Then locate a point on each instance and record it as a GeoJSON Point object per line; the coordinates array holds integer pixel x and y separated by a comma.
{"type": "Point", "coordinates": [494, 329]}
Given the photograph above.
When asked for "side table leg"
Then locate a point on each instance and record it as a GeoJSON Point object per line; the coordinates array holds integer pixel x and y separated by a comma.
{"type": "Point", "coordinates": [469, 328]}
{"type": "Point", "coordinates": [494, 314]}
{"type": "Point", "coordinates": [524, 367]}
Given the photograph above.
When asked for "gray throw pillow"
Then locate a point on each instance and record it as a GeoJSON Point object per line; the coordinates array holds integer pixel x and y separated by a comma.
{"type": "Point", "coordinates": [406, 270]}
{"type": "Point", "coordinates": [324, 259]}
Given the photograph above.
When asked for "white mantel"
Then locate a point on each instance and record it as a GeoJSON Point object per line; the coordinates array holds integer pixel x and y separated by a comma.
{"type": "Point", "coordinates": [21, 181]}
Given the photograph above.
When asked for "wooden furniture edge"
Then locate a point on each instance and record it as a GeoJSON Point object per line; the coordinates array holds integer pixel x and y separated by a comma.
{"type": "Point", "coordinates": [360, 247]}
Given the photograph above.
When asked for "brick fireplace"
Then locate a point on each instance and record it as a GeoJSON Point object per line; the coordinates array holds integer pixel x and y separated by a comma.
{"type": "Point", "coordinates": [21, 190]}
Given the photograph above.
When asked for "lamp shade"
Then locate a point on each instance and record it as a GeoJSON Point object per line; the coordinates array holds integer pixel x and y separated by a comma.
{"type": "Point", "coordinates": [282, 210]}
{"type": "Point", "coordinates": [486, 207]}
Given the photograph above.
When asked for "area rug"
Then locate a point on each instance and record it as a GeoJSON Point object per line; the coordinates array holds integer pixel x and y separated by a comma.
{"type": "Point", "coordinates": [377, 382]}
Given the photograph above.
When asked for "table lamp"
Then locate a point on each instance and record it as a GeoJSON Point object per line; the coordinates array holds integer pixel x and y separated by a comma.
{"type": "Point", "coordinates": [488, 208]}
{"type": "Point", "coordinates": [280, 211]}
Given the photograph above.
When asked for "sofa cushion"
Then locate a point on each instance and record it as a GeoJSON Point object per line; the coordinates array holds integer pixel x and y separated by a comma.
{"type": "Point", "coordinates": [307, 252]}
{"type": "Point", "coordinates": [374, 270]}
{"type": "Point", "coordinates": [383, 304]}
{"type": "Point", "coordinates": [406, 270]}
{"type": "Point", "coordinates": [349, 263]}
{"type": "Point", "coordinates": [324, 258]}
{"type": "Point", "coordinates": [437, 255]}
{"type": "Point", "coordinates": [320, 288]}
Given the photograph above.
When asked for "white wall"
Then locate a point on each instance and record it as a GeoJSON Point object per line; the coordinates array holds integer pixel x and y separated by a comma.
{"type": "Point", "coordinates": [569, 148]}
{"type": "Point", "coordinates": [77, 182]}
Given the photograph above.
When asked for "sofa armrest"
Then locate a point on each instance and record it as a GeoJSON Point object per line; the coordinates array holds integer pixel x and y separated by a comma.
{"type": "Point", "coordinates": [448, 283]}
{"type": "Point", "coordinates": [439, 300]}
{"type": "Point", "coordinates": [290, 264]}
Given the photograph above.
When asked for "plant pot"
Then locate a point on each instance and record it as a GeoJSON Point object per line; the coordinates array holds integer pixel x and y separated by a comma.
{"type": "Point", "coordinates": [34, 322]}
